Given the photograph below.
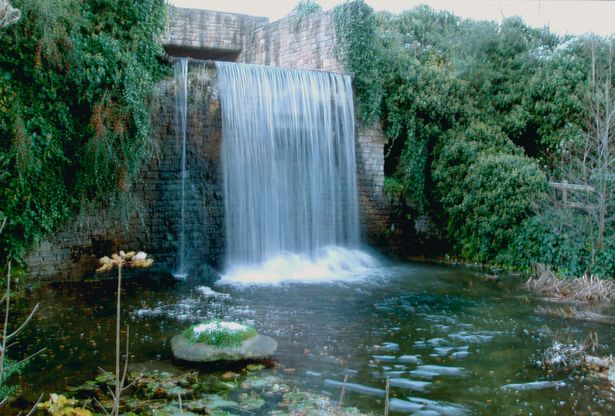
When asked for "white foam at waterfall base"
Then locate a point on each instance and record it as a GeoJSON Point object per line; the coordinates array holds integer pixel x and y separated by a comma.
{"type": "Point", "coordinates": [329, 264]}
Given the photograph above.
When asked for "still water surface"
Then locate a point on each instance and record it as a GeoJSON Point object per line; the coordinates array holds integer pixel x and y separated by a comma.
{"type": "Point", "coordinates": [440, 333]}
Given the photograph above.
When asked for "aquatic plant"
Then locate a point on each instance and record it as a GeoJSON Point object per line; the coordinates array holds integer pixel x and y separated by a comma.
{"type": "Point", "coordinates": [134, 260]}
{"type": "Point", "coordinates": [59, 405]}
{"type": "Point", "coordinates": [9, 367]}
{"type": "Point", "coordinates": [219, 333]}
{"type": "Point", "coordinates": [249, 391]}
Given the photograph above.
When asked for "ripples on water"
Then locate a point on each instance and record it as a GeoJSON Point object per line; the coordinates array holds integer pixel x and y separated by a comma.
{"type": "Point", "coordinates": [449, 341]}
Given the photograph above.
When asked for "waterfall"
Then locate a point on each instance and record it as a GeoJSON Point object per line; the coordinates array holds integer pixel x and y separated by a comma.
{"type": "Point", "coordinates": [181, 116]}
{"type": "Point", "coordinates": [288, 162]}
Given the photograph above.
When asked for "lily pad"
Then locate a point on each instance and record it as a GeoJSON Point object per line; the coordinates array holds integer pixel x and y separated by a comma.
{"type": "Point", "coordinates": [250, 402]}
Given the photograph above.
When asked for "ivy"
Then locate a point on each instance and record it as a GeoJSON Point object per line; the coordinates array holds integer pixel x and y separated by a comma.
{"type": "Point", "coordinates": [76, 82]}
{"type": "Point", "coordinates": [303, 10]}
{"type": "Point", "coordinates": [357, 49]}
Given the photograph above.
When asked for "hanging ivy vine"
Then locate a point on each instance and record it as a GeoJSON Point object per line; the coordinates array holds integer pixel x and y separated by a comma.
{"type": "Point", "coordinates": [76, 82]}
{"type": "Point", "coordinates": [357, 48]}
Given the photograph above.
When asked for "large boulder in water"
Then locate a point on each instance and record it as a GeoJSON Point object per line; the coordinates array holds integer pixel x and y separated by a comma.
{"type": "Point", "coordinates": [255, 347]}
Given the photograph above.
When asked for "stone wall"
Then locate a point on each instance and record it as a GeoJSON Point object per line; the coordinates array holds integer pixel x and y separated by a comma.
{"type": "Point", "coordinates": [306, 42]}
{"type": "Point", "coordinates": [207, 34]}
{"type": "Point", "coordinates": [155, 226]}
{"type": "Point", "coordinates": [302, 43]}
{"type": "Point", "coordinates": [370, 143]}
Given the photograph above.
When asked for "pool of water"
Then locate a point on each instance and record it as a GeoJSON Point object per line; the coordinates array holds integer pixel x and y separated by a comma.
{"type": "Point", "coordinates": [443, 336]}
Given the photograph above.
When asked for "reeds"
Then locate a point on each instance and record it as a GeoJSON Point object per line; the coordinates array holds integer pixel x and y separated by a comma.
{"type": "Point", "coordinates": [588, 288]}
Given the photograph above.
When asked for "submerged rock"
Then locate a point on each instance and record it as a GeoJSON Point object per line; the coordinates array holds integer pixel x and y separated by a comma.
{"type": "Point", "coordinates": [438, 408]}
{"type": "Point", "coordinates": [409, 359]}
{"type": "Point", "coordinates": [403, 406]}
{"type": "Point", "coordinates": [443, 370]}
{"type": "Point", "coordinates": [355, 387]}
{"type": "Point", "coordinates": [535, 385]}
{"type": "Point", "coordinates": [208, 292]}
{"type": "Point", "coordinates": [410, 384]}
{"type": "Point", "coordinates": [424, 374]}
{"type": "Point", "coordinates": [258, 346]}
{"type": "Point", "coordinates": [385, 358]}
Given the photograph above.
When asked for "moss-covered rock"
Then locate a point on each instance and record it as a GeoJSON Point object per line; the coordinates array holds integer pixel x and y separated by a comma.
{"type": "Point", "coordinates": [190, 348]}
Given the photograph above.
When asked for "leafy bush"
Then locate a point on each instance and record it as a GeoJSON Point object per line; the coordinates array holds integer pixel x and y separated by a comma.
{"type": "Point", "coordinates": [499, 194]}
{"type": "Point", "coordinates": [306, 8]}
{"type": "Point", "coordinates": [568, 251]}
{"type": "Point", "coordinates": [477, 114]}
{"type": "Point", "coordinates": [76, 82]}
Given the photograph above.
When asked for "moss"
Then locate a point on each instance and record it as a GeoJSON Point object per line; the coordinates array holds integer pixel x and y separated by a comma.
{"type": "Point", "coordinates": [219, 333]}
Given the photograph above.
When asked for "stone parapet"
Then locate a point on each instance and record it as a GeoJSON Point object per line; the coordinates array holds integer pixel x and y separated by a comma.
{"type": "Point", "coordinates": [208, 34]}
{"type": "Point", "coordinates": [300, 42]}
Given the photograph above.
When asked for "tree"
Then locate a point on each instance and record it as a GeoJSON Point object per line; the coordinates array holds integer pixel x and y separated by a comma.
{"type": "Point", "coordinates": [581, 211]}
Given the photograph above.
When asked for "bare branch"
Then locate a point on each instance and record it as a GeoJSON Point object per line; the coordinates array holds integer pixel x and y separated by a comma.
{"type": "Point", "coordinates": [112, 395]}
{"type": "Point", "coordinates": [126, 359]}
{"type": "Point", "coordinates": [31, 412]}
{"type": "Point", "coordinates": [129, 385]}
{"type": "Point", "coordinates": [101, 406]}
{"type": "Point", "coordinates": [6, 320]}
{"type": "Point", "coordinates": [24, 324]}
{"type": "Point", "coordinates": [29, 357]}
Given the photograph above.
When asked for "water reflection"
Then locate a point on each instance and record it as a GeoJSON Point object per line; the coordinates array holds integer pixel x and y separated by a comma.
{"type": "Point", "coordinates": [447, 339]}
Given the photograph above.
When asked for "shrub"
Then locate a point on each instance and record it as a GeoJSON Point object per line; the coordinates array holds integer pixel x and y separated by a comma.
{"type": "Point", "coordinates": [75, 91]}
{"type": "Point", "coordinates": [499, 194]}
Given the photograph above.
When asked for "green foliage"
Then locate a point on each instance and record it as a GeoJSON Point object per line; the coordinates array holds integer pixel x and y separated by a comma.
{"type": "Point", "coordinates": [76, 81]}
{"type": "Point", "coordinates": [571, 254]}
{"type": "Point", "coordinates": [499, 190]}
{"type": "Point", "coordinates": [219, 336]}
{"type": "Point", "coordinates": [305, 8]}
{"type": "Point", "coordinates": [478, 113]}
{"type": "Point", "coordinates": [11, 369]}
{"type": "Point", "coordinates": [357, 48]}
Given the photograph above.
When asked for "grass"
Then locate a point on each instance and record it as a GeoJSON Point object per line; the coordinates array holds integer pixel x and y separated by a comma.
{"type": "Point", "coordinates": [219, 333]}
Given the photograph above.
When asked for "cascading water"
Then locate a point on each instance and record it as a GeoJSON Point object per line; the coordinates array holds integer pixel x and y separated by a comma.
{"type": "Point", "coordinates": [181, 116]}
{"type": "Point", "coordinates": [289, 174]}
